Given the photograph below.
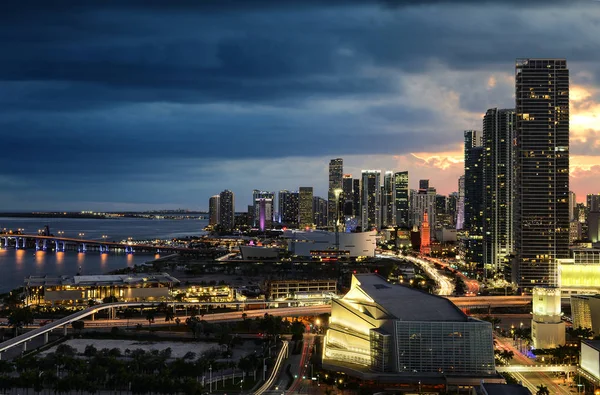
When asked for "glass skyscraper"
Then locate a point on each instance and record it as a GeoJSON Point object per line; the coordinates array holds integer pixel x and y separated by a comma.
{"type": "Point", "coordinates": [401, 197]}
{"type": "Point", "coordinates": [542, 170]}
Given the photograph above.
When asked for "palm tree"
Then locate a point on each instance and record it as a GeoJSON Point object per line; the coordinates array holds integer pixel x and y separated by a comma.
{"type": "Point", "coordinates": [542, 390]}
{"type": "Point", "coordinates": [169, 315]}
{"type": "Point", "coordinates": [20, 317]}
{"type": "Point", "coordinates": [150, 317]}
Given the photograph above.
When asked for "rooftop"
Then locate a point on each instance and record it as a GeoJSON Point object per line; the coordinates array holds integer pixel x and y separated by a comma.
{"type": "Point", "coordinates": [100, 280]}
{"type": "Point", "coordinates": [504, 389]}
{"type": "Point", "coordinates": [595, 344]}
{"type": "Point", "coordinates": [406, 303]}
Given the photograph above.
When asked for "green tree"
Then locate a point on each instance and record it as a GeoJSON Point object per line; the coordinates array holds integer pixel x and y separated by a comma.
{"type": "Point", "coordinates": [459, 286]}
{"type": "Point", "coordinates": [297, 330]}
{"type": "Point", "coordinates": [20, 317]}
{"type": "Point", "coordinates": [128, 314]}
{"type": "Point", "coordinates": [78, 325]}
{"type": "Point", "coordinates": [542, 390]}
{"type": "Point", "coordinates": [110, 299]}
{"type": "Point", "coordinates": [150, 317]}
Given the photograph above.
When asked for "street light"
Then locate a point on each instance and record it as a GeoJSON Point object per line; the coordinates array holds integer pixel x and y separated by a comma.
{"type": "Point", "coordinates": [81, 235]}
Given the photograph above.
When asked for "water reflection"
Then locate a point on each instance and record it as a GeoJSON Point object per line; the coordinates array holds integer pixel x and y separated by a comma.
{"type": "Point", "coordinates": [20, 256]}
{"type": "Point", "coordinates": [129, 259]}
{"type": "Point", "coordinates": [40, 257]}
{"type": "Point", "coordinates": [60, 257]}
{"type": "Point", "coordinates": [156, 256]}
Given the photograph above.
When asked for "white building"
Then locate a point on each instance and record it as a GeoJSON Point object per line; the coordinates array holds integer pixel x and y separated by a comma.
{"type": "Point", "coordinates": [385, 332]}
{"type": "Point", "coordinates": [301, 243]}
{"type": "Point", "coordinates": [590, 360]}
{"type": "Point", "coordinates": [547, 328]}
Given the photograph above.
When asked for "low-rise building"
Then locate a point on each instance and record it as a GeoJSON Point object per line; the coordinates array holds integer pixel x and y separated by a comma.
{"type": "Point", "coordinates": [300, 289]}
{"type": "Point", "coordinates": [392, 333]}
{"type": "Point", "coordinates": [589, 360]}
{"type": "Point", "coordinates": [305, 243]}
{"type": "Point", "coordinates": [81, 289]}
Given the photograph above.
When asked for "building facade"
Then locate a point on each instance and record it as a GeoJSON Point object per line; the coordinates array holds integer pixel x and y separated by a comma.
{"type": "Point", "coordinates": [386, 332]}
{"type": "Point", "coordinates": [213, 210]}
{"type": "Point", "coordinates": [541, 170]}
{"type": "Point", "coordinates": [288, 208]}
{"type": "Point", "coordinates": [336, 173]}
{"type": "Point", "coordinates": [388, 200]}
{"type": "Point", "coordinates": [227, 209]}
{"type": "Point", "coordinates": [401, 199]}
{"type": "Point", "coordinates": [305, 207]}
{"type": "Point", "coordinates": [371, 199]}
{"type": "Point", "coordinates": [473, 220]}
{"type": "Point", "coordinates": [320, 211]}
{"type": "Point", "coordinates": [498, 177]}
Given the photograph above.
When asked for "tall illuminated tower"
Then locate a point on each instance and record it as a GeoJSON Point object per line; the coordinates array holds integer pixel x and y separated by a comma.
{"type": "Point", "coordinates": [371, 199]}
{"type": "Point", "coordinates": [305, 207]}
{"type": "Point", "coordinates": [388, 211]}
{"type": "Point", "coordinates": [498, 178]}
{"type": "Point", "coordinates": [401, 198]}
{"type": "Point", "coordinates": [542, 170]}
{"type": "Point", "coordinates": [213, 210]}
{"type": "Point", "coordinates": [425, 235]}
{"type": "Point", "coordinates": [227, 209]}
{"type": "Point", "coordinates": [336, 173]}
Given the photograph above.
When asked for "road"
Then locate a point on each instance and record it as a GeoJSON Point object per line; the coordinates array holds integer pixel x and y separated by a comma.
{"type": "Point", "coordinates": [530, 380]}
{"type": "Point", "coordinates": [472, 285]}
{"type": "Point", "coordinates": [303, 381]}
{"type": "Point", "coordinates": [445, 286]}
{"type": "Point", "coordinates": [276, 372]}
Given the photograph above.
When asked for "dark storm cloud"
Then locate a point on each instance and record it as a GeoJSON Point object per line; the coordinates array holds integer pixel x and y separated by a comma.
{"type": "Point", "coordinates": [95, 89]}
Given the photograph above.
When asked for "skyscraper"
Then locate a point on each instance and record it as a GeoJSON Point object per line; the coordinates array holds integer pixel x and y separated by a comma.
{"type": "Point", "coordinates": [227, 209]}
{"type": "Point", "coordinates": [498, 178]}
{"type": "Point", "coordinates": [305, 207]}
{"type": "Point", "coordinates": [460, 204]}
{"type": "Point", "coordinates": [336, 172]}
{"type": "Point", "coordinates": [572, 204]}
{"type": "Point", "coordinates": [213, 210]}
{"type": "Point", "coordinates": [257, 195]}
{"type": "Point", "coordinates": [473, 221]}
{"type": "Point", "coordinates": [371, 199]}
{"type": "Point", "coordinates": [320, 208]}
{"type": "Point", "coordinates": [542, 170]}
{"type": "Point", "coordinates": [288, 208]}
{"type": "Point", "coordinates": [348, 197]}
{"type": "Point", "coordinates": [356, 198]}
{"type": "Point", "coordinates": [423, 185]}
{"type": "Point", "coordinates": [401, 198]}
{"type": "Point", "coordinates": [593, 201]}
{"type": "Point", "coordinates": [423, 202]}
{"type": "Point", "coordinates": [388, 201]}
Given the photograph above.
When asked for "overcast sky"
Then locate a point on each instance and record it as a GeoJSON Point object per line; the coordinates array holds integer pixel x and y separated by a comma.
{"type": "Point", "coordinates": [116, 105]}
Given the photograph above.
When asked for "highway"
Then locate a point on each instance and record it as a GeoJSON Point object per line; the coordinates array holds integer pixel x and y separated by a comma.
{"type": "Point", "coordinates": [304, 379]}
{"type": "Point", "coordinates": [445, 286]}
{"type": "Point", "coordinates": [281, 357]}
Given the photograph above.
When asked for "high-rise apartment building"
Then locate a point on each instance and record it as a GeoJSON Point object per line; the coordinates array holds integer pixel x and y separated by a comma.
{"type": "Point", "coordinates": [388, 200]}
{"type": "Point", "coordinates": [257, 196]}
{"type": "Point", "coordinates": [423, 185]}
{"type": "Point", "coordinates": [356, 198]}
{"type": "Point", "coordinates": [336, 173]}
{"type": "Point", "coordinates": [227, 209]}
{"type": "Point", "coordinates": [401, 198]}
{"type": "Point", "coordinates": [473, 221]}
{"type": "Point", "coordinates": [288, 208]}
{"type": "Point", "coordinates": [348, 197]}
{"type": "Point", "coordinates": [213, 210]}
{"type": "Point", "coordinates": [460, 204]}
{"type": "Point", "coordinates": [320, 209]}
{"type": "Point", "coordinates": [265, 213]}
{"type": "Point", "coordinates": [572, 204]}
{"type": "Point", "coordinates": [542, 170]}
{"type": "Point", "coordinates": [498, 177]}
{"type": "Point", "coordinates": [371, 199]}
{"type": "Point", "coordinates": [305, 207]}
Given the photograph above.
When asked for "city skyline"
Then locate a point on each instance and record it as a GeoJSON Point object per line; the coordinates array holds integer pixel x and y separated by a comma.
{"type": "Point", "coordinates": [177, 94]}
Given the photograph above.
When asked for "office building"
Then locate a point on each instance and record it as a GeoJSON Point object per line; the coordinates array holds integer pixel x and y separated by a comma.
{"type": "Point", "coordinates": [213, 210]}
{"type": "Point", "coordinates": [401, 199]}
{"type": "Point", "coordinates": [320, 207]}
{"type": "Point", "coordinates": [585, 310]}
{"type": "Point", "coordinates": [453, 206]}
{"type": "Point", "coordinates": [581, 273]}
{"type": "Point", "coordinates": [473, 220]}
{"type": "Point", "coordinates": [348, 196]}
{"type": "Point", "coordinates": [498, 177]}
{"type": "Point", "coordinates": [547, 328]}
{"type": "Point", "coordinates": [423, 202]}
{"type": "Point", "coordinates": [384, 333]}
{"type": "Point", "coordinates": [305, 207]}
{"type": "Point", "coordinates": [542, 170]}
{"type": "Point", "coordinates": [593, 201]}
{"type": "Point", "coordinates": [371, 199]}
{"type": "Point", "coordinates": [336, 172]}
{"type": "Point", "coordinates": [300, 289]}
{"type": "Point", "coordinates": [288, 208]}
{"type": "Point", "coordinates": [227, 209]}
{"type": "Point", "coordinates": [388, 205]}
{"type": "Point", "coordinates": [423, 185]}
